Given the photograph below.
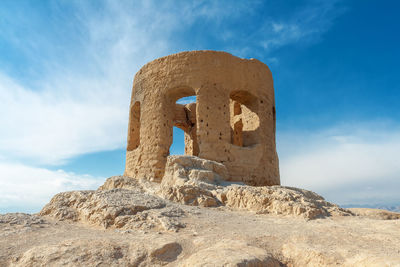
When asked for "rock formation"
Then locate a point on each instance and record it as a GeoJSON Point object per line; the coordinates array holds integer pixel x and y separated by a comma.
{"type": "Point", "coordinates": [232, 121]}
{"type": "Point", "coordinates": [195, 218]}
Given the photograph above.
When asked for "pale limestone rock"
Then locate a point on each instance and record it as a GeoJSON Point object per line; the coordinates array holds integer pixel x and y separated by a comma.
{"type": "Point", "coordinates": [21, 219]}
{"type": "Point", "coordinates": [280, 200]}
{"type": "Point", "coordinates": [376, 213]}
{"type": "Point", "coordinates": [19, 223]}
{"type": "Point", "coordinates": [231, 253]}
{"type": "Point", "coordinates": [134, 208]}
{"type": "Point", "coordinates": [118, 208]}
{"type": "Point", "coordinates": [212, 237]}
{"type": "Point", "coordinates": [99, 253]}
{"type": "Point", "coordinates": [122, 182]}
{"type": "Point", "coordinates": [191, 180]}
{"type": "Point", "coordinates": [79, 253]}
{"type": "Point", "coordinates": [199, 182]}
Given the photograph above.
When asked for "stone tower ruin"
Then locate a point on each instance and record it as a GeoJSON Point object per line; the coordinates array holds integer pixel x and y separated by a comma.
{"type": "Point", "coordinates": [232, 122]}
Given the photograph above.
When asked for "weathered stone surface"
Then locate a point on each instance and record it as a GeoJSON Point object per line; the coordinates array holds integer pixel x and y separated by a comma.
{"type": "Point", "coordinates": [280, 200]}
{"type": "Point", "coordinates": [212, 237]}
{"type": "Point", "coordinates": [199, 182]}
{"type": "Point", "coordinates": [21, 219]}
{"type": "Point", "coordinates": [122, 182]}
{"type": "Point", "coordinates": [376, 213]}
{"type": "Point", "coordinates": [80, 253]}
{"type": "Point", "coordinates": [231, 253]}
{"type": "Point", "coordinates": [191, 180]}
{"type": "Point", "coordinates": [118, 208]}
{"type": "Point", "coordinates": [232, 121]}
{"type": "Point", "coordinates": [20, 223]}
{"type": "Point", "coordinates": [99, 253]}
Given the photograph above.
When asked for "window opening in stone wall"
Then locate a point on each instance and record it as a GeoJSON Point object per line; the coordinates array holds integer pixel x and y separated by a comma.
{"type": "Point", "coordinates": [134, 127]}
{"type": "Point", "coordinates": [178, 143]}
{"type": "Point", "coordinates": [186, 100]}
{"type": "Point", "coordinates": [244, 119]}
{"type": "Point", "coordinates": [184, 123]}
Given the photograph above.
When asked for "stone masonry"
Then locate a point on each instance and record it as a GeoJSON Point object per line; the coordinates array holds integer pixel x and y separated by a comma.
{"type": "Point", "coordinates": [232, 122]}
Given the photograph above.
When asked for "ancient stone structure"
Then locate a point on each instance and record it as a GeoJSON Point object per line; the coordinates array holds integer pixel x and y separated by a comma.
{"type": "Point", "coordinates": [232, 121]}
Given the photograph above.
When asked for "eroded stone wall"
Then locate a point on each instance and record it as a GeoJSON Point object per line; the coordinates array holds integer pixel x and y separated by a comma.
{"type": "Point", "coordinates": [232, 121]}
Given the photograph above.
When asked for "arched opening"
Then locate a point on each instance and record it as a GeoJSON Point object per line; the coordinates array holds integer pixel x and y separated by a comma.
{"type": "Point", "coordinates": [134, 127]}
{"type": "Point", "coordinates": [244, 119]}
{"type": "Point", "coordinates": [184, 122]}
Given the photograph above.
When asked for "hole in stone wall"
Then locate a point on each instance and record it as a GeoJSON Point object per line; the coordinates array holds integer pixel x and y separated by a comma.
{"type": "Point", "coordinates": [244, 119]}
{"type": "Point", "coordinates": [178, 143]}
{"type": "Point", "coordinates": [184, 122]}
{"type": "Point", "coordinates": [134, 127]}
{"type": "Point", "coordinates": [186, 100]}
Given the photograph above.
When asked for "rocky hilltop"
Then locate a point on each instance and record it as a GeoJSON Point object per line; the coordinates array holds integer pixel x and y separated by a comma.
{"type": "Point", "coordinates": [194, 218]}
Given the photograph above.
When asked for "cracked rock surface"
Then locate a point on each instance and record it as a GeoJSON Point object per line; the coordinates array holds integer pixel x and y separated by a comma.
{"type": "Point", "coordinates": [195, 218]}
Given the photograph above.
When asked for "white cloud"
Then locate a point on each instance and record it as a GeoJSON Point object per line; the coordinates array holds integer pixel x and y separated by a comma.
{"type": "Point", "coordinates": [76, 106]}
{"type": "Point", "coordinates": [49, 128]}
{"type": "Point", "coordinates": [357, 164]}
{"type": "Point", "coordinates": [79, 101]}
{"type": "Point", "coordinates": [28, 189]}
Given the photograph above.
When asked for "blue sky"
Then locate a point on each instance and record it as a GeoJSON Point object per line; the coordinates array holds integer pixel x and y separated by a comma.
{"type": "Point", "coordinates": [66, 71]}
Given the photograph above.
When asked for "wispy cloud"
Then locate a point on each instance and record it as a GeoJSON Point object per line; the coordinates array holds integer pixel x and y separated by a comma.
{"type": "Point", "coordinates": [47, 128]}
{"type": "Point", "coordinates": [357, 164]}
{"type": "Point", "coordinates": [303, 25]}
{"type": "Point", "coordinates": [78, 102]}
{"type": "Point", "coordinates": [28, 189]}
{"type": "Point", "coordinates": [76, 106]}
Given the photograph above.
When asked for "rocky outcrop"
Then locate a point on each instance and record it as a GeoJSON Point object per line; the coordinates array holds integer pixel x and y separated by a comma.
{"type": "Point", "coordinates": [117, 208]}
{"type": "Point", "coordinates": [20, 223]}
{"type": "Point", "coordinates": [280, 200]}
{"type": "Point", "coordinates": [192, 181]}
{"type": "Point", "coordinates": [199, 182]}
{"type": "Point", "coordinates": [212, 237]}
{"type": "Point", "coordinates": [127, 203]}
{"type": "Point", "coordinates": [133, 222]}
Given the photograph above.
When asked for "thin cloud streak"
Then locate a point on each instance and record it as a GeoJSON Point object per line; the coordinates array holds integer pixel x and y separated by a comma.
{"type": "Point", "coordinates": [302, 26]}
